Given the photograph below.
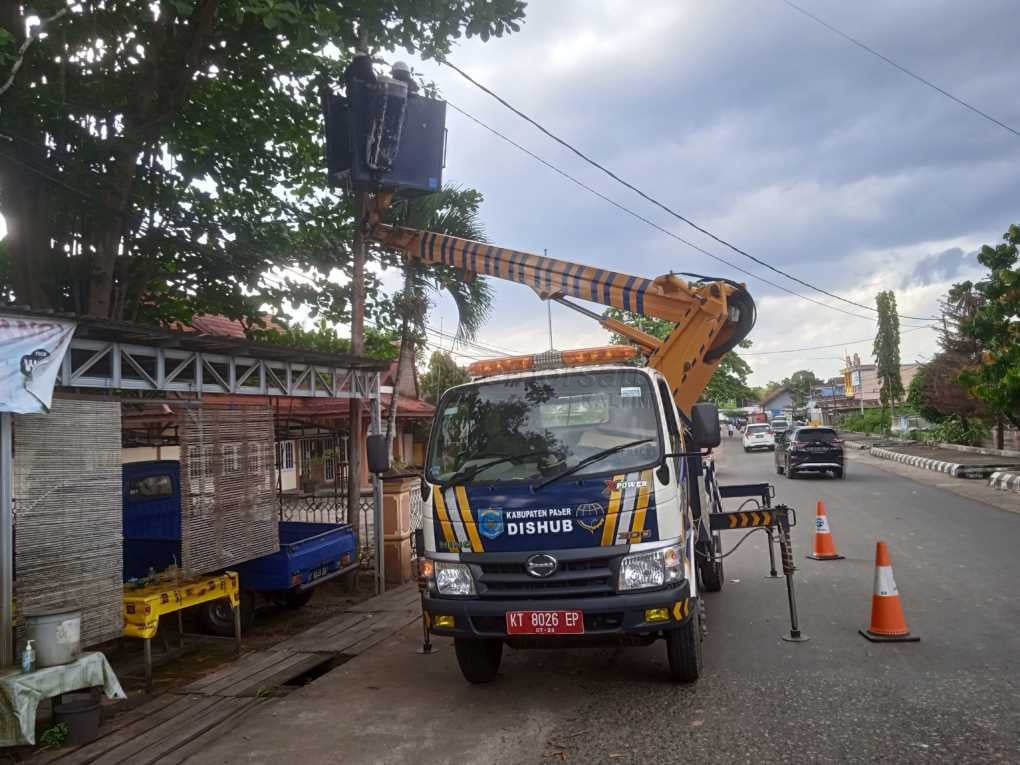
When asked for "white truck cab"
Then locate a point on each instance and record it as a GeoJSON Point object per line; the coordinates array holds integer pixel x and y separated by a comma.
{"type": "Point", "coordinates": [559, 510]}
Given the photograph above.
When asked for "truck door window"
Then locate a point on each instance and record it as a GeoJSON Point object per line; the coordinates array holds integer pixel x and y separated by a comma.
{"type": "Point", "coordinates": [150, 487]}
{"type": "Point", "coordinates": [672, 427]}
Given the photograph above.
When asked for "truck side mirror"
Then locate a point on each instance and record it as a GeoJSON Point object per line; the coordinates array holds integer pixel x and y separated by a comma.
{"type": "Point", "coordinates": [705, 419]}
{"type": "Point", "coordinates": [378, 450]}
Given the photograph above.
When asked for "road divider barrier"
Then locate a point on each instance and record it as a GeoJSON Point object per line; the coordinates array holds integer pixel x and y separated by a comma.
{"type": "Point", "coordinates": [825, 545]}
{"type": "Point", "coordinates": [888, 624]}
{"type": "Point", "coordinates": [1005, 481]}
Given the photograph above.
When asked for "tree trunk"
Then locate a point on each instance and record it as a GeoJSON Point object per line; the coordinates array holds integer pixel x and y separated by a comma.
{"type": "Point", "coordinates": [25, 201]}
{"type": "Point", "coordinates": [1000, 433]}
{"type": "Point", "coordinates": [398, 378]}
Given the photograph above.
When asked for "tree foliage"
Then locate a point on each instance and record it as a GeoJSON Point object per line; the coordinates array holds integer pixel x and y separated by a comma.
{"type": "Point", "coordinates": [887, 350]}
{"type": "Point", "coordinates": [728, 382]}
{"type": "Point", "coordinates": [443, 373]}
{"type": "Point", "coordinates": [800, 384]}
{"type": "Point", "coordinates": [379, 344]}
{"type": "Point", "coordinates": [993, 326]}
{"type": "Point", "coordinates": [158, 159]}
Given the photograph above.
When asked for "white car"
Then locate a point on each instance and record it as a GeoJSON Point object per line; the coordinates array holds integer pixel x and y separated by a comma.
{"type": "Point", "coordinates": [758, 436]}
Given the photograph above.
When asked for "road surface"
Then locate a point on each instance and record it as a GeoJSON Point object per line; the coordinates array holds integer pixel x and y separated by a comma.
{"type": "Point", "coordinates": [953, 697]}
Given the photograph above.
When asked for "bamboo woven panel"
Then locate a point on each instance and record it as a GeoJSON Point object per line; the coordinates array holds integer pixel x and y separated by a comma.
{"type": "Point", "coordinates": [67, 480]}
{"type": "Point", "coordinates": [229, 511]}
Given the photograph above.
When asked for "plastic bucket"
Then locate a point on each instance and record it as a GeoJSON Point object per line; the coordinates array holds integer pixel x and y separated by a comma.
{"type": "Point", "coordinates": [81, 717]}
{"type": "Point", "coordinates": [56, 636]}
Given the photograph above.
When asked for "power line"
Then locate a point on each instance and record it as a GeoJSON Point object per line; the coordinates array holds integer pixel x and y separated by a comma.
{"type": "Point", "coordinates": [824, 347]}
{"type": "Point", "coordinates": [659, 204]}
{"type": "Point", "coordinates": [461, 340]}
{"type": "Point", "coordinates": [901, 68]}
{"type": "Point", "coordinates": [648, 221]}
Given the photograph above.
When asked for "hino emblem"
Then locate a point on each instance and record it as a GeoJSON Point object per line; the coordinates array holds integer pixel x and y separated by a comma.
{"type": "Point", "coordinates": [541, 565]}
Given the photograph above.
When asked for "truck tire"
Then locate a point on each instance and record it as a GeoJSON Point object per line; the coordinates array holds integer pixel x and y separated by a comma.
{"type": "Point", "coordinates": [683, 649]}
{"type": "Point", "coordinates": [218, 619]}
{"type": "Point", "coordinates": [711, 571]}
{"type": "Point", "coordinates": [779, 469]}
{"type": "Point", "coordinates": [294, 599]}
{"type": "Point", "coordinates": [478, 659]}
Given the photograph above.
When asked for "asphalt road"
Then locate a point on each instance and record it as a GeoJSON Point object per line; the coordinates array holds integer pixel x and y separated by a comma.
{"type": "Point", "coordinates": [953, 697]}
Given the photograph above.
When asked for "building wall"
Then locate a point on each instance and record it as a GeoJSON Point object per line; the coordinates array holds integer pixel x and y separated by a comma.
{"type": "Point", "coordinates": [779, 403]}
{"type": "Point", "coordinates": [869, 381]}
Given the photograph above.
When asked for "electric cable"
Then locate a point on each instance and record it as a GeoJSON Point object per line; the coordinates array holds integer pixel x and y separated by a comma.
{"type": "Point", "coordinates": [902, 68]}
{"type": "Point", "coordinates": [647, 197]}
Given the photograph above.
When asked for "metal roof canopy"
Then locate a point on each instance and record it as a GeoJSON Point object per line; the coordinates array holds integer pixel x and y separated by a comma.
{"type": "Point", "coordinates": [120, 355]}
{"type": "Point", "coordinates": [115, 355]}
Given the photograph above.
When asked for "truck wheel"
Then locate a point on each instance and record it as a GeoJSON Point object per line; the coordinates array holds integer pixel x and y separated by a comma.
{"type": "Point", "coordinates": [294, 599]}
{"type": "Point", "coordinates": [683, 649]}
{"type": "Point", "coordinates": [711, 571]}
{"type": "Point", "coordinates": [779, 469]}
{"type": "Point", "coordinates": [218, 617]}
{"type": "Point", "coordinates": [840, 473]}
{"type": "Point", "coordinates": [478, 659]}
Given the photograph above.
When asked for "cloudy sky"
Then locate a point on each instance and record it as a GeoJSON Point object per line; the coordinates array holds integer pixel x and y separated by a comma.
{"type": "Point", "coordinates": [760, 125]}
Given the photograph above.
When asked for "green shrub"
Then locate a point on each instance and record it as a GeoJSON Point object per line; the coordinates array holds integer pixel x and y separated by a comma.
{"type": "Point", "coordinates": [872, 421]}
{"type": "Point", "coordinates": [953, 430]}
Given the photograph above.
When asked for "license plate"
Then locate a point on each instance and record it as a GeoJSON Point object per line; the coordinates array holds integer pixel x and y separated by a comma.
{"type": "Point", "coordinates": [320, 572]}
{"type": "Point", "coordinates": [544, 622]}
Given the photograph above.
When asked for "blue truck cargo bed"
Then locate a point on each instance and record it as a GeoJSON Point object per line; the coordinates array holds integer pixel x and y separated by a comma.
{"type": "Point", "coordinates": [309, 554]}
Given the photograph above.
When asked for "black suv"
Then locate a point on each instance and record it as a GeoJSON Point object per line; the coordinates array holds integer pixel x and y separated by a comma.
{"type": "Point", "coordinates": [810, 448]}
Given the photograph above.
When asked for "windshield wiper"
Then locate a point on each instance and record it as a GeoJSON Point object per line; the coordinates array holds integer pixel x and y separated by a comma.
{"type": "Point", "coordinates": [589, 460]}
{"type": "Point", "coordinates": [467, 474]}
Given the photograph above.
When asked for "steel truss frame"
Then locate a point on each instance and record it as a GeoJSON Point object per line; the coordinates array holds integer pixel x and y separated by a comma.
{"type": "Point", "coordinates": [111, 365]}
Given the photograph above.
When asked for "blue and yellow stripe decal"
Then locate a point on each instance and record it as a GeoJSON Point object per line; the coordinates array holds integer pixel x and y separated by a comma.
{"type": "Point", "coordinates": [469, 523]}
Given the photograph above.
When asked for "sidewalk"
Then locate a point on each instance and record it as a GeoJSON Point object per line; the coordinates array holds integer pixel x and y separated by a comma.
{"type": "Point", "coordinates": [174, 726]}
{"type": "Point", "coordinates": [957, 463]}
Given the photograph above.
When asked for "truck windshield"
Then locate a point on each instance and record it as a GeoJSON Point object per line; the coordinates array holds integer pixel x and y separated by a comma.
{"type": "Point", "coordinates": [522, 430]}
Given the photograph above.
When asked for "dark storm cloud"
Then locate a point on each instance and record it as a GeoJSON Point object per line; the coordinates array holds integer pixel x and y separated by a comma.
{"type": "Point", "coordinates": [758, 123]}
{"type": "Point", "coordinates": [938, 267]}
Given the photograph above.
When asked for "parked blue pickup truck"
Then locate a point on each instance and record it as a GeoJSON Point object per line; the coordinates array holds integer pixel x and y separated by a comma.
{"type": "Point", "coordinates": [309, 554]}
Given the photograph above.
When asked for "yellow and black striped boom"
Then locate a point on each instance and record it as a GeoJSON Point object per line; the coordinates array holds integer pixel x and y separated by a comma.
{"type": "Point", "coordinates": [711, 316]}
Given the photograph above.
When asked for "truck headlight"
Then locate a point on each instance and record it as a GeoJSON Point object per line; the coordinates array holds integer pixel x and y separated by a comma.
{"type": "Point", "coordinates": [453, 578]}
{"type": "Point", "coordinates": [651, 569]}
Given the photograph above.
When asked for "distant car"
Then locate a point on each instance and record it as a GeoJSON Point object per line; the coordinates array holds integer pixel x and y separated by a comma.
{"type": "Point", "coordinates": [758, 436]}
{"type": "Point", "coordinates": [810, 449]}
{"type": "Point", "coordinates": [780, 425]}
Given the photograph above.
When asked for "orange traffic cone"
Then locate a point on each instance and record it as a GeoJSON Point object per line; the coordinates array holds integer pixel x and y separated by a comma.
{"type": "Point", "coordinates": [887, 622]}
{"type": "Point", "coordinates": [825, 548]}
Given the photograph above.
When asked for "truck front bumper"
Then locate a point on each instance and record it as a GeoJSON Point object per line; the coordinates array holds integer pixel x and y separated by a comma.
{"type": "Point", "coordinates": [613, 616]}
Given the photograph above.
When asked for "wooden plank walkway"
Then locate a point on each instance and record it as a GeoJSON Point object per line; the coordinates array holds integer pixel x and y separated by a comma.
{"type": "Point", "coordinates": [173, 726]}
{"type": "Point", "coordinates": [158, 731]}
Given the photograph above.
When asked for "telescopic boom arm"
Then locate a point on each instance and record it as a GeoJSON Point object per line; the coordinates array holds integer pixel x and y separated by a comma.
{"type": "Point", "coordinates": [712, 317]}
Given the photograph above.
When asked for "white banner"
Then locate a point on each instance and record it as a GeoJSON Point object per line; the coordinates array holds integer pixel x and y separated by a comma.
{"type": "Point", "coordinates": [31, 350]}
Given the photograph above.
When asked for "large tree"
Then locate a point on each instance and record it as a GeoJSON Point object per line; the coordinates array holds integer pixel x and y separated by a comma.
{"type": "Point", "coordinates": [454, 212]}
{"type": "Point", "coordinates": [159, 158]}
{"type": "Point", "coordinates": [887, 351]}
{"type": "Point", "coordinates": [993, 326]}
{"type": "Point", "coordinates": [728, 382]}
{"type": "Point", "coordinates": [800, 385]}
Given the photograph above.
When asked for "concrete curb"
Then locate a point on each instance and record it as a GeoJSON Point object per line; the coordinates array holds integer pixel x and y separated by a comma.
{"type": "Point", "coordinates": [938, 466]}
{"type": "Point", "coordinates": [1005, 481]}
{"type": "Point", "coordinates": [857, 445]}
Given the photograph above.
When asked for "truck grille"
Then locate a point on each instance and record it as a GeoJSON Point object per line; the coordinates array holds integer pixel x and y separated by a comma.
{"type": "Point", "coordinates": [585, 578]}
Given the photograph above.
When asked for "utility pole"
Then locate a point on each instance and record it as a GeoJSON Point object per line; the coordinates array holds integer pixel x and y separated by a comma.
{"type": "Point", "coordinates": [357, 435]}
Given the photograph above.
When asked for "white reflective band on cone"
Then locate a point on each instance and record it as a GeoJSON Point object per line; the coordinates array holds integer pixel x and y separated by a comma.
{"type": "Point", "coordinates": [822, 524]}
{"type": "Point", "coordinates": [885, 585]}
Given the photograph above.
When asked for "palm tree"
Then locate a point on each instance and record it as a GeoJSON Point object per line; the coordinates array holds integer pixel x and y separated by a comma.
{"type": "Point", "coordinates": [452, 211]}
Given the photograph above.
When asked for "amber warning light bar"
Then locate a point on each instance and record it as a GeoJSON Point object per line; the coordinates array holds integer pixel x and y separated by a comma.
{"type": "Point", "coordinates": [606, 354]}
